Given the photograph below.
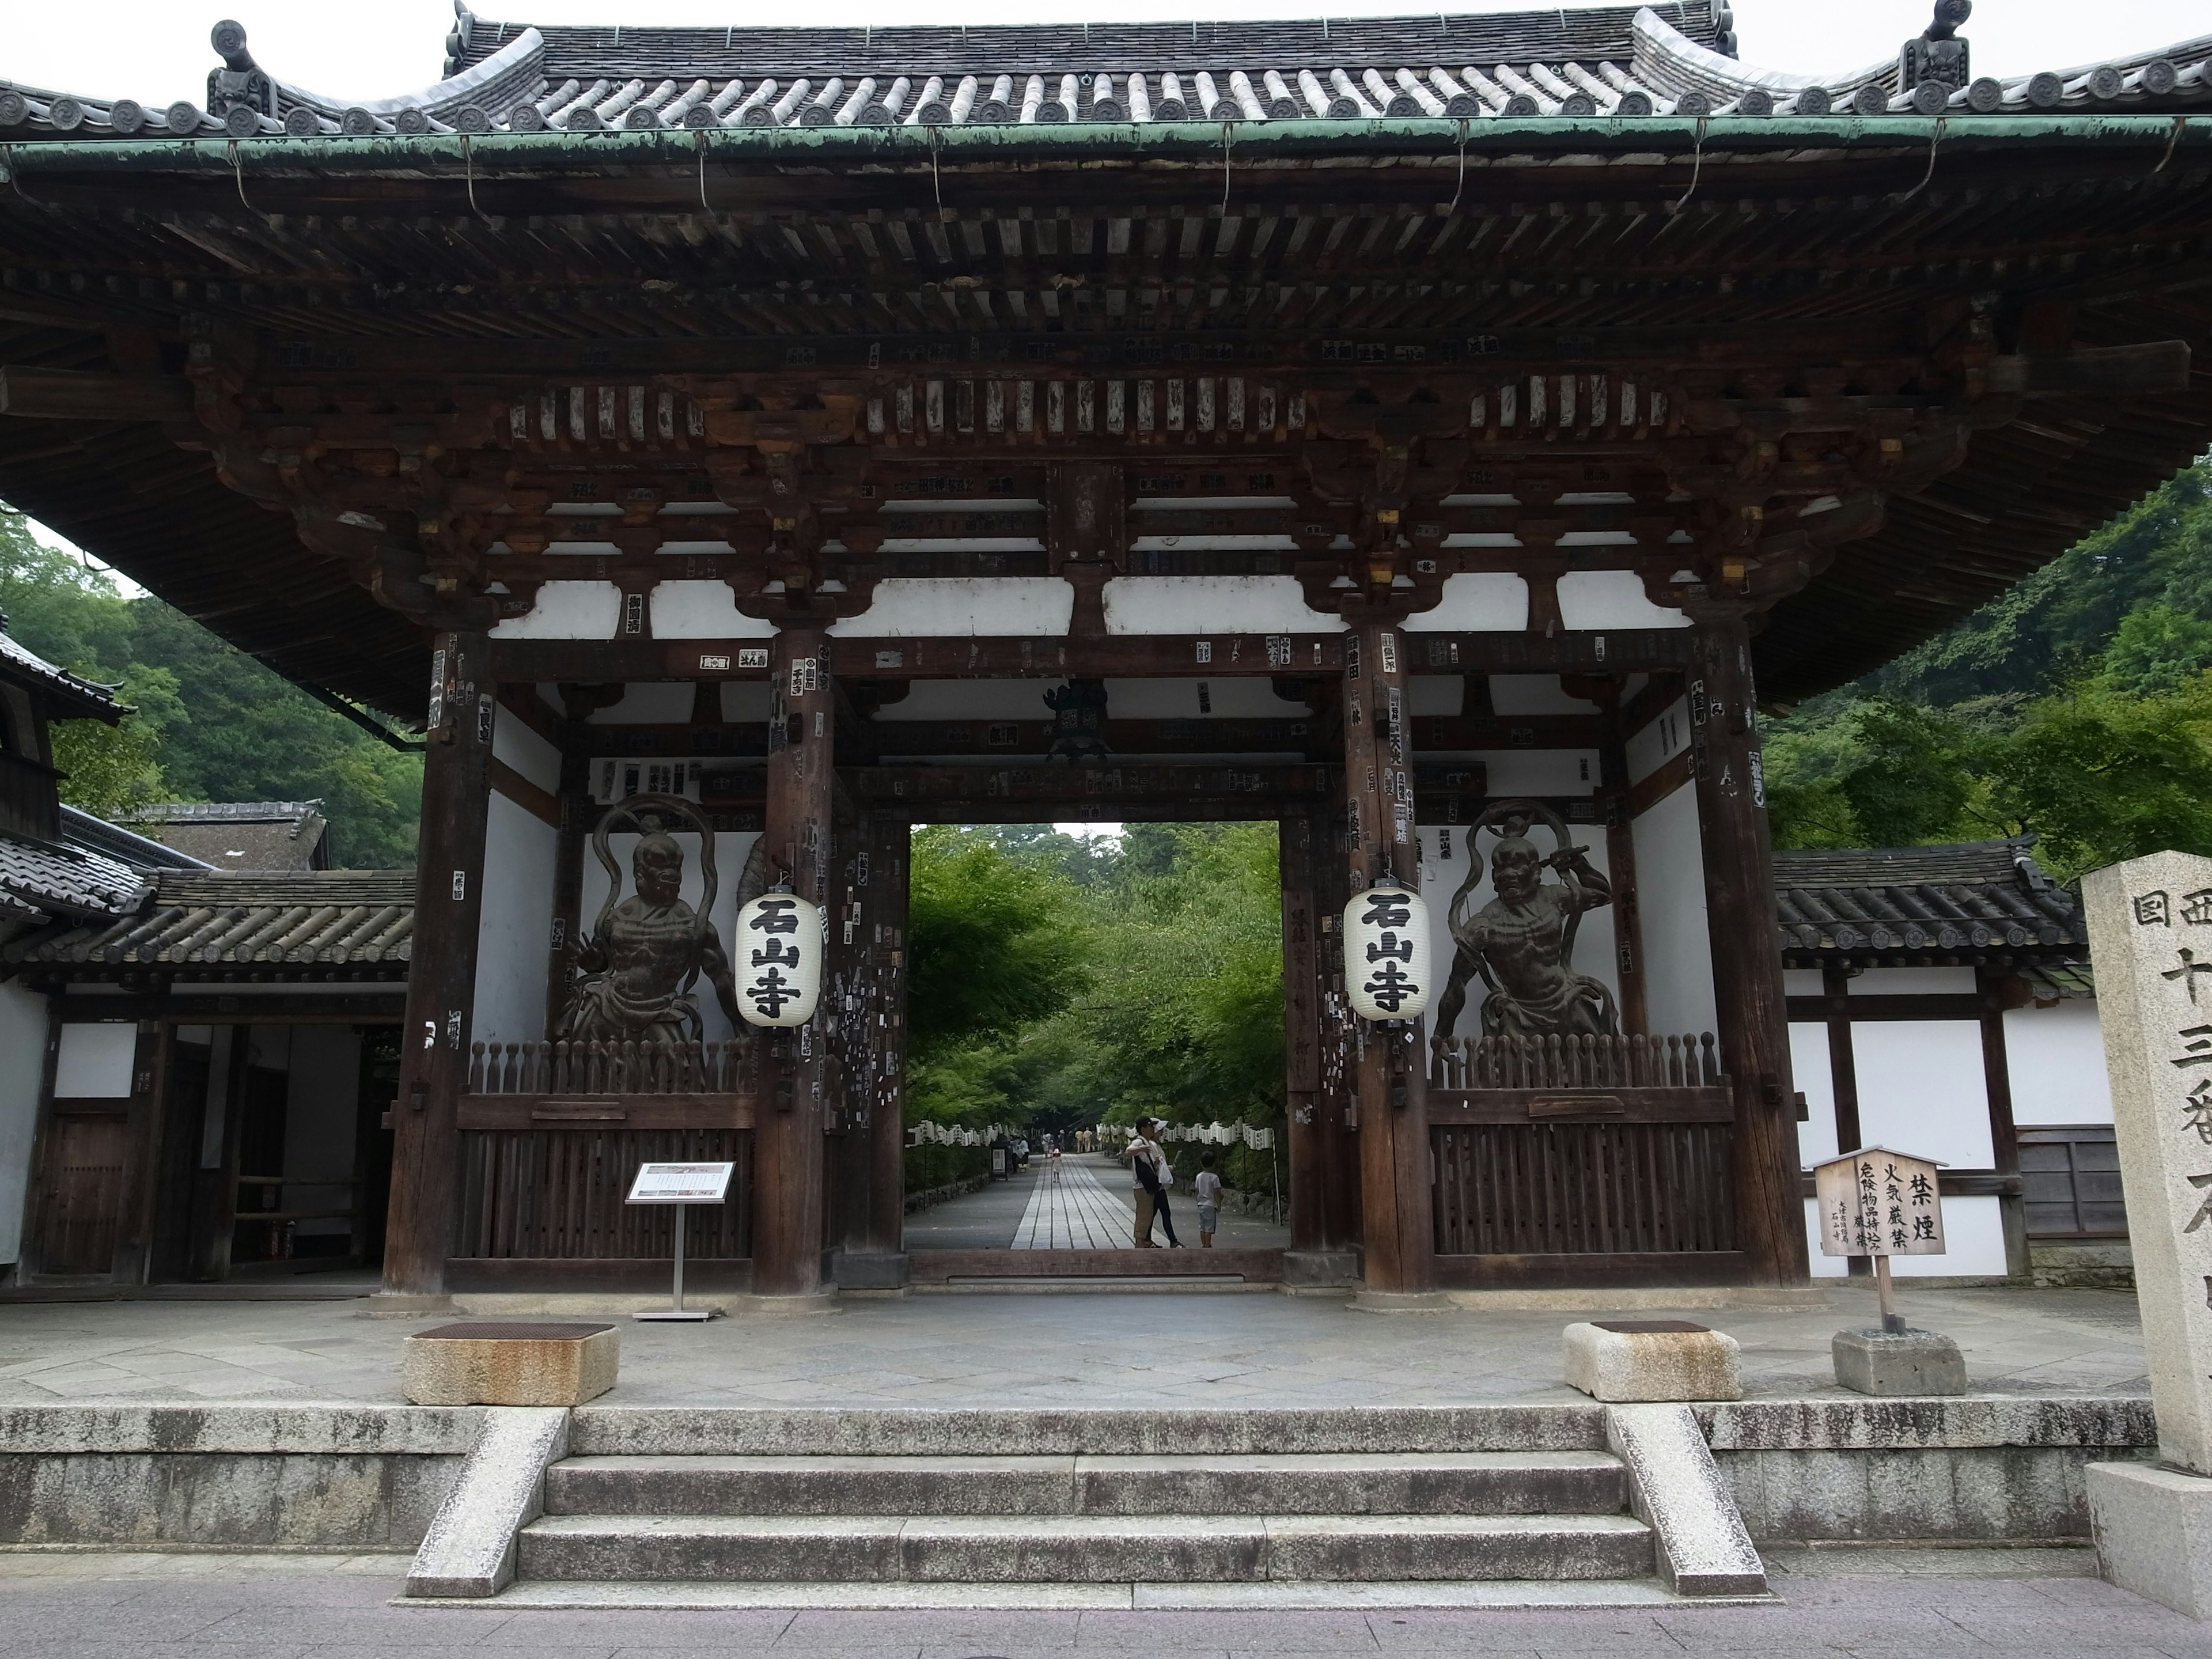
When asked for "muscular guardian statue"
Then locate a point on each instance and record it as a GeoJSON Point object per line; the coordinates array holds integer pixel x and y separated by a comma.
{"type": "Point", "coordinates": [1523, 942]}
{"type": "Point", "coordinates": [644, 955]}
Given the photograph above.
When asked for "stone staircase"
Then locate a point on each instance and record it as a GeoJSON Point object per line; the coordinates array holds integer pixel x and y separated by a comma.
{"type": "Point", "coordinates": [642, 1507]}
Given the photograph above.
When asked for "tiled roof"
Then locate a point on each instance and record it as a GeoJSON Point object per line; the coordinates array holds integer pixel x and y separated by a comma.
{"type": "Point", "coordinates": [79, 697]}
{"type": "Point", "coordinates": [234, 835]}
{"type": "Point", "coordinates": [300, 921]}
{"type": "Point", "coordinates": [1674, 58]}
{"type": "Point", "coordinates": [51, 880]}
{"type": "Point", "coordinates": [82, 830]}
{"type": "Point", "coordinates": [1969, 902]}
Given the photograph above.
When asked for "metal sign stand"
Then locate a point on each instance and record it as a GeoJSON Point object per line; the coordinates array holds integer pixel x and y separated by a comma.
{"type": "Point", "coordinates": [679, 1185]}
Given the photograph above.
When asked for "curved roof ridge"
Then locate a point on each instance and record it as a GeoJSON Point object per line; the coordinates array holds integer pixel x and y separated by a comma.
{"type": "Point", "coordinates": [1675, 63]}
{"type": "Point", "coordinates": [478, 83]}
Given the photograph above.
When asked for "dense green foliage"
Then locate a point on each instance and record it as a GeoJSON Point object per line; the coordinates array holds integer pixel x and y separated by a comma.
{"type": "Point", "coordinates": [2076, 706]}
{"type": "Point", "coordinates": [211, 723]}
{"type": "Point", "coordinates": [1060, 981]}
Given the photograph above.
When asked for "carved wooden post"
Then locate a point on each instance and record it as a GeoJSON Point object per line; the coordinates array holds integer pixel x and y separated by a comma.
{"type": "Point", "coordinates": [1389, 1084]}
{"type": "Point", "coordinates": [1741, 919]}
{"type": "Point", "coordinates": [441, 982]}
{"type": "Point", "coordinates": [787, 1150]}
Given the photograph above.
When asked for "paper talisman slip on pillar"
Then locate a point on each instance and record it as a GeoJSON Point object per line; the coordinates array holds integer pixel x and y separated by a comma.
{"type": "Point", "coordinates": [516, 1364]}
{"type": "Point", "coordinates": [1626, 1360]}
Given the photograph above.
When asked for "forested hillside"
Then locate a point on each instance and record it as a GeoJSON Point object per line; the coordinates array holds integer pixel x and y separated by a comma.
{"type": "Point", "coordinates": [212, 724]}
{"type": "Point", "coordinates": [2076, 706]}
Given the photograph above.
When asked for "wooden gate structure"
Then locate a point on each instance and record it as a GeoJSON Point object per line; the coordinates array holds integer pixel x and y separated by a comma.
{"type": "Point", "coordinates": [1352, 426]}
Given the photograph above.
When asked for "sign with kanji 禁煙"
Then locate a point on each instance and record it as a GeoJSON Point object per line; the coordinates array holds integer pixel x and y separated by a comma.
{"type": "Point", "coordinates": [778, 959]}
{"type": "Point", "coordinates": [2150, 935]}
{"type": "Point", "coordinates": [1386, 953]}
{"type": "Point", "coordinates": [1877, 1202]}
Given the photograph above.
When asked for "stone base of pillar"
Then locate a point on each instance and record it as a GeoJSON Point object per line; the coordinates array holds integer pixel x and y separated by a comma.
{"type": "Point", "coordinates": [2154, 1532]}
{"type": "Point", "coordinates": [1403, 1302]}
{"type": "Point", "coordinates": [871, 1270]}
{"type": "Point", "coordinates": [1319, 1270]}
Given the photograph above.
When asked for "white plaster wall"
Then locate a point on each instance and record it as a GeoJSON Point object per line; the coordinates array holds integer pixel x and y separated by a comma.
{"type": "Point", "coordinates": [1922, 1089]}
{"type": "Point", "coordinates": [1444, 866]}
{"type": "Point", "coordinates": [1677, 950]}
{"type": "Point", "coordinates": [1973, 1239]}
{"type": "Point", "coordinates": [1534, 694]}
{"type": "Point", "coordinates": [702, 611]}
{"type": "Point", "coordinates": [648, 703]}
{"type": "Point", "coordinates": [1659, 741]}
{"type": "Point", "coordinates": [1816, 1080]}
{"type": "Point", "coordinates": [1802, 982]}
{"type": "Point", "coordinates": [95, 1062]}
{"type": "Point", "coordinates": [514, 937]}
{"type": "Point", "coordinates": [1476, 602]}
{"type": "Point", "coordinates": [1222, 605]}
{"type": "Point", "coordinates": [514, 742]}
{"type": "Point", "coordinates": [730, 850]}
{"type": "Point", "coordinates": [1595, 600]}
{"type": "Point", "coordinates": [1912, 981]}
{"type": "Point", "coordinates": [22, 1068]}
{"type": "Point", "coordinates": [568, 611]}
{"type": "Point", "coordinates": [2055, 1059]}
{"type": "Point", "coordinates": [906, 607]}
{"type": "Point", "coordinates": [1442, 694]}
{"type": "Point", "coordinates": [1539, 771]}
{"type": "Point", "coordinates": [321, 1112]}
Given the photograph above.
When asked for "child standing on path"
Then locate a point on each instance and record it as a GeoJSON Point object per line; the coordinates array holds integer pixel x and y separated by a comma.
{"type": "Point", "coordinates": [1208, 1188]}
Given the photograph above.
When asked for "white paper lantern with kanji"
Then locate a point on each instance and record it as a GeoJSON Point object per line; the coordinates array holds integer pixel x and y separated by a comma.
{"type": "Point", "coordinates": [1386, 953]}
{"type": "Point", "coordinates": [777, 960]}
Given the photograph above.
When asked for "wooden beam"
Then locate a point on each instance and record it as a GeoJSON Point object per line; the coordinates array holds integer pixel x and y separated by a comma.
{"type": "Point", "coordinates": [77, 394]}
{"type": "Point", "coordinates": [541, 804]}
{"type": "Point", "coordinates": [2109, 371]}
{"type": "Point", "coordinates": [1658, 784]}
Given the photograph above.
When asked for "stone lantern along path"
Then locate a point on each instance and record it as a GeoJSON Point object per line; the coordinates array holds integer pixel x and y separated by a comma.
{"type": "Point", "coordinates": [2150, 936]}
{"type": "Point", "coordinates": [1879, 1202]}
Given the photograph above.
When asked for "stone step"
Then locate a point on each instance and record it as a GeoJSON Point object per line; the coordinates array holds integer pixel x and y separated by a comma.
{"type": "Point", "coordinates": [1083, 1549]}
{"type": "Point", "coordinates": [1433, 1483]}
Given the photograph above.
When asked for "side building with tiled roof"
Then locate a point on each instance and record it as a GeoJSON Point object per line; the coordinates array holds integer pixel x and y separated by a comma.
{"type": "Point", "coordinates": [1941, 1000]}
{"type": "Point", "coordinates": [197, 1054]}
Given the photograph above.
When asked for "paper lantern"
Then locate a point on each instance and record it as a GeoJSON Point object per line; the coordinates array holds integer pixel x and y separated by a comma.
{"type": "Point", "coordinates": [778, 961]}
{"type": "Point", "coordinates": [1386, 953]}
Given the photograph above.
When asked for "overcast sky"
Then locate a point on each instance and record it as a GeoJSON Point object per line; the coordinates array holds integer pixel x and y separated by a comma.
{"type": "Point", "coordinates": [156, 50]}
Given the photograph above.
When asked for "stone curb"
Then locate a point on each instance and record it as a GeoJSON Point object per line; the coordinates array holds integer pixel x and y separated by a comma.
{"type": "Point", "coordinates": [470, 1549]}
{"type": "Point", "coordinates": [1699, 1543]}
{"type": "Point", "coordinates": [420, 1431]}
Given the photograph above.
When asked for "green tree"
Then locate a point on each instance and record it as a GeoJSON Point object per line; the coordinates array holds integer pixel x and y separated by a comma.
{"type": "Point", "coordinates": [211, 723]}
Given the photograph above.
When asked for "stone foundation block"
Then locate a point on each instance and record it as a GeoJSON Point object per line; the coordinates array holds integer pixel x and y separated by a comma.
{"type": "Point", "coordinates": [1629, 1360]}
{"type": "Point", "coordinates": [513, 1364]}
{"type": "Point", "coordinates": [1899, 1364]}
{"type": "Point", "coordinates": [2154, 1532]}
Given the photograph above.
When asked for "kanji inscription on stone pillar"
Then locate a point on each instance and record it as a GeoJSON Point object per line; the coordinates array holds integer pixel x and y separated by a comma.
{"type": "Point", "coordinates": [2150, 935]}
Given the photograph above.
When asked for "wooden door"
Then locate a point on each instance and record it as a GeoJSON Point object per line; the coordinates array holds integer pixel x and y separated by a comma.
{"type": "Point", "coordinates": [82, 1215]}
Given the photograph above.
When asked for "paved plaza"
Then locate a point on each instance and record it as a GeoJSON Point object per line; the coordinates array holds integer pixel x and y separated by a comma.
{"type": "Point", "coordinates": [1923, 1604]}
{"type": "Point", "coordinates": [1048, 1350]}
{"type": "Point", "coordinates": [1075, 1202]}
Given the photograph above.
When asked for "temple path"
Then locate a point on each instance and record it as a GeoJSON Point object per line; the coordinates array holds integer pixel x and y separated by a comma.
{"type": "Point", "coordinates": [1070, 1209]}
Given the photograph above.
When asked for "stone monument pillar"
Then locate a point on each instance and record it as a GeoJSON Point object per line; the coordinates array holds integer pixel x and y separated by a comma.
{"type": "Point", "coordinates": [2150, 937]}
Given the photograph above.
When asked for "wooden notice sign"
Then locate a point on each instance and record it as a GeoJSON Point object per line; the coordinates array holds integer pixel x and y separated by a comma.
{"type": "Point", "coordinates": [1879, 1203]}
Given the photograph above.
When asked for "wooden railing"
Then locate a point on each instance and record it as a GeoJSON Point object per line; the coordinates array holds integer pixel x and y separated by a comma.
{"type": "Point", "coordinates": [647, 1086]}
{"type": "Point", "coordinates": [613, 1068]}
{"type": "Point", "coordinates": [556, 1191]}
{"type": "Point", "coordinates": [1688, 1061]}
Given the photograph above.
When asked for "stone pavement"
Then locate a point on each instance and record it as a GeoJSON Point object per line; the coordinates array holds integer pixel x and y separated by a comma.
{"type": "Point", "coordinates": [1932, 1605]}
{"type": "Point", "coordinates": [1081, 1203]}
{"type": "Point", "coordinates": [1107, 1349]}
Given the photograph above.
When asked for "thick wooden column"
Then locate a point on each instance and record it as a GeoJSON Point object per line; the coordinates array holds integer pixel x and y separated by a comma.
{"type": "Point", "coordinates": [872, 1043]}
{"type": "Point", "coordinates": [788, 1149]}
{"type": "Point", "coordinates": [1741, 918]}
{"type": "Point", "coordinates": [1389, 1082]}
{"type": "Point", "coordinates": [441, 981]}
{"type": "Point", "coordinates": [1301, 841]}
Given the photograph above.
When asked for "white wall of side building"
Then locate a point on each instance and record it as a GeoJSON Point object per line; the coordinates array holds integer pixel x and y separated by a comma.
{"type": "Point", "coordinates": [23, 1071]}
{"type": "Point", "coordinates": [2056, 1059]}
{"type": "Point", "coordinates": [1670, 889]}
{"type": "Point", "coordinates": [514, 933]}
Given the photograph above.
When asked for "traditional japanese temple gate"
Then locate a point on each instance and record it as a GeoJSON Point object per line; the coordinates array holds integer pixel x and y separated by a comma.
{"type": "Point", "coordinates": [1442, 481]}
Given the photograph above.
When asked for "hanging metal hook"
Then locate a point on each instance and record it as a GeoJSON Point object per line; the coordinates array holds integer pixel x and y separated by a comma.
{"type": "Point", "coordinates": [469, 172]}
{"type": "Point", "coordinates": [1934, 139]}
{"type": "Point", "coordinates": [936, 180]}
{"type": "Point", "coordinates": [2179, 122]}
{"type": "Point", "coordinates": [238, 171]}
{"type": "Point", "coordinates": [1461, 185]}
{"type": "Point", "coordinates": [1228, 128]}
{"type": "Point", "coordinates": [699, 142]}
{"type": "Point", "coordinates": [1697, 167]}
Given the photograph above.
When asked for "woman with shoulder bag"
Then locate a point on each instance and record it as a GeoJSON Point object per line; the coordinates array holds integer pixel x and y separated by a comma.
{"type": "Point", "coordinates": [1161, 1176]}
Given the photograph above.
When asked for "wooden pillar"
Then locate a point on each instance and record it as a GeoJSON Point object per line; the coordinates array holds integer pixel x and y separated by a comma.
{"type": "Point", "coordinates": [1620, 871]}
{"type": "Point", "coordinates": [1843, 1079]}
{"type": "Point", "coordinates": [875, 1059]}
{"type": "Point", "coordinates": [1390, 1070]}
{"type": "Point", "coordinates": [1301, 839]}
{"type": "Point", "coordinates": [441, 981]}
{"type": "Point", "coordinates": [2004, 1135]}
{"type": "Point", "coordinates": [788, 1148]}
{"type": "Point", "coordinates": [1741, 918]}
